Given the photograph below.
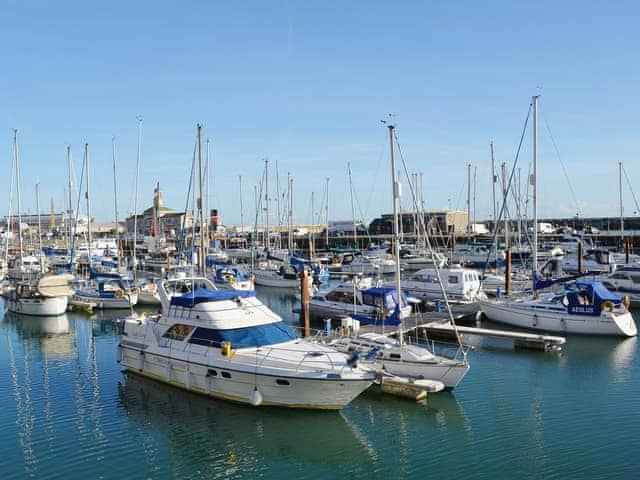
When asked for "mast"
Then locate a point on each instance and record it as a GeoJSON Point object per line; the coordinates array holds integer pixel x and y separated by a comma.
{"type": "Point", "coordinates": [621, 207]}
{"type": "Point", "coordinates": [88, 195]}
{"type": "Point", "coordinates": [468, 198]}
{"type": "Point", "coordinates": [135, 202]}
{"type": "Point", "coordinates": [201, 255]}
{"type": "Point", "coordinates": [396, 189]}
{"type": "Point", "coordinates": [353, 212]}
{"type": "Point", "coordinates": [326, 215]}
{"type": "Point", "coordinates": [505, 195]}
{"type": "Point", "coordinates": [266, 203]}
{"type": "Point", "coordinates": [534, 182]}
{"type": "Point", "coordinates": [16, 155]}
{"type": "Point", "coordinates": [39, 228]}
{"type": "Point", "coordinates": [9, 221]}
{"type": "Point", "coordinates": [115, 192]}
{"type": "Point", "coordinates": [241, 207]}
{"type": "Point", "coordinates": [290, 213]}
{"type": "Point", "coordinates": [493, 188]}
{"type": "Point", "coordinates": [70, 212]}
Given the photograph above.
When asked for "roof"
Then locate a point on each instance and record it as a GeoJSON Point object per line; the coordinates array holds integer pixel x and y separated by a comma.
{"type": "Point", "coordinates": [202, 295]}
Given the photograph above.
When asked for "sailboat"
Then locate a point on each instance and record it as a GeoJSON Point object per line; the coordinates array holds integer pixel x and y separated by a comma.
{"type": "Point", "coordinates": [48, 295]}
{"type": "Point", "coordinates": [109, 290]}
{"type": "Point", "coordinates": [584, 307]}
{"type": "Point", "coordinates": [383, 354]}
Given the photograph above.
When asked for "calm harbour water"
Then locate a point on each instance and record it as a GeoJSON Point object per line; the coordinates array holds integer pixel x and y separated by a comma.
{"type": "Point", "coordinates": [67, 411]}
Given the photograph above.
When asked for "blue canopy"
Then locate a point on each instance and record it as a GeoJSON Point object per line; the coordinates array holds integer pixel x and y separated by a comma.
{"type": "Point", "coordinates": [202, 295]}
{"type": "Point", "coordinates": [599, 291]}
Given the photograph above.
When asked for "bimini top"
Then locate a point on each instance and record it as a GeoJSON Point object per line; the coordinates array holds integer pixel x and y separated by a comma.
{"type": "Point", "coordinates": [202, 295]}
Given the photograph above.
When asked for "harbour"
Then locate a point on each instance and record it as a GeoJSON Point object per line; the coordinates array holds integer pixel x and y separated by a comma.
{"type": "Point", "coordinates": [317, 241]}
{"type": "Point", "coordinates": [67, 407]}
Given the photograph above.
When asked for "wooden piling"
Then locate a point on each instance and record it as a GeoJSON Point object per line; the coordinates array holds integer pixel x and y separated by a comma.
{"type": "Point", "coordinates": [304, 302]}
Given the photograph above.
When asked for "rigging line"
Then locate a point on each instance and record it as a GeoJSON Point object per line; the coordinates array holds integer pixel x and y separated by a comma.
{"type": "Point", "coordinates": [374, 190]}
{"type": "Point", "coordinates": [564, 170]}
{"type": "Point", "coordinates": [631, 188]}
{"type": "Point", "coordinates": [181, 241]}
{"type": "Point", "coordinates": [506, 194]}
{"type": "Point", "coordinates": [428, 242]}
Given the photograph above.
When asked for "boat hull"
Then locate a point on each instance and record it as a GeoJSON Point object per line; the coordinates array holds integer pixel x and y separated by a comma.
{"type": "Point", "coordinates": [320, 391]}
{"type": "Point", "coordinates": [39, 307]}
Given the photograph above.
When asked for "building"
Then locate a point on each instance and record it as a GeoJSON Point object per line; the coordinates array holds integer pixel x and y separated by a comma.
{"type": "Point", "coordinates": [445, 222]}
{"type": "Point", "coordinates": [159, 219]}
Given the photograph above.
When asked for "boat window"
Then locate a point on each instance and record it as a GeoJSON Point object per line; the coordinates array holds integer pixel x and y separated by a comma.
{"type": "Point", "coordinates": [226, 375]}
{"type": "Point", "coordinates": [212, 373]}
{"type": "Point", "coordinates": [619, 276]}
{"type": "Point", "coordinates": [395, 356]}
{"type": "Point", "coordinates": [635, 278]}
{"type": "Point", "coordinates": [453, 279]}
{"type": "Point", "coordinates": [281, 381]}
{"type": "Point", "coordinates": [178, 331]}
{"type": "Point", "coordinates": [254, 336]}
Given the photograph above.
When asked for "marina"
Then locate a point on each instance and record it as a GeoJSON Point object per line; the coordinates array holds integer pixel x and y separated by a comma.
{"type": "Point", "coordinates": [303, 240]}
{"type": "Point", "coordinates": [67, 406]}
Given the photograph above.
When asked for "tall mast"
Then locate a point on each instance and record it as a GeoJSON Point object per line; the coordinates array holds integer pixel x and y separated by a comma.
{"type": "Point", "coordinates": [16, 155]}
{"type": "Point", "coordinates": [493, 188]}
{"type": "Point", "coordinates": [468, 198]}
{"type": "Point", "coordinates": [88, 195]}
{"type": "Point", "coordinates": [534, 182]}
{"type": "Point", "coordinates": [135, 202]}
{"type": "Point", "coordinates": [505, 199]}
{"type": "Point", "coordinates": [40, 257]}
{"type": "Point", "coordinates": [396, 189]}
{"type": "Point", "coordinates": [290, 213]}
{"type": "Point", "coordinates": [353, 212]}
{"type": "Point", "coordinates": [266, 203]}
{"type": "Point", "coordinates": [115, 193]}
{"type": "Point", "coordinates": [201, 255]}
{"type": "Point", "coordinates": [9, 221]}
{"type": "Point", "coordinates": [326, 215]}
{"type": "Point", "coordinates": [621, 207]}
{"type": "Point", "coordinates": [241, 207]}
{"type": "Point", "coordinates": [70, 211]}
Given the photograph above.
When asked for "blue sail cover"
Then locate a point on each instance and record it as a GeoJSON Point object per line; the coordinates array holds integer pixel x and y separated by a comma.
{"type": "Point", "coordinates": [599, 291]}
{"type": "Point", "coordinates": [202, 295]}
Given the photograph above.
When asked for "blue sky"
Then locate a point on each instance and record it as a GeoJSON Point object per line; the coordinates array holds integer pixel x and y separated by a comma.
{"type": "Point", "coordinates": [305, 83]}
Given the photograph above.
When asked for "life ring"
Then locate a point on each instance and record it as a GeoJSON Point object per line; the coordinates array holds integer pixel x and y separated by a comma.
{"type": "Point", "coordinates": [607, 305]}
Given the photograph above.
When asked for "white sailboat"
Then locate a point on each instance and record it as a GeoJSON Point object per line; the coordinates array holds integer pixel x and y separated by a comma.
{"type": "Point", "coordinates": [585, 307]}
{"type": "Point", "coordinates": [46, 296]}
{"type": "Point", "coordinates": [395, 357]}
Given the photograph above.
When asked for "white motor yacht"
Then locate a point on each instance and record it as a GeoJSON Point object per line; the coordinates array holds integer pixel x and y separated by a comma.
{"type": "Point", "coordinates": [228, 345]}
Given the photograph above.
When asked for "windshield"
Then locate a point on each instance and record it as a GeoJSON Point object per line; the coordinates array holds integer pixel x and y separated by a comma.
{"type": "Point", "coordinates": [254, 336]}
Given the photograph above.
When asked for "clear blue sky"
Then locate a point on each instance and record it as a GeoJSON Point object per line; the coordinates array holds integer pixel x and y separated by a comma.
{"type": "Point", "coordinates": [305, 83]}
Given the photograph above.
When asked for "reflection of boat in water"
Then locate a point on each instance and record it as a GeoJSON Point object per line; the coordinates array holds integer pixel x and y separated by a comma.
{"type": "Point", "coordinates": [199, 432]}
{"type": "Point", "coordinates": [53, 333]}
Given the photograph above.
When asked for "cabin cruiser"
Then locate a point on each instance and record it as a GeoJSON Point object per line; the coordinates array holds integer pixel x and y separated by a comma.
{"type": "Point", "coordinates": [624, 281]}
{"type": "Point", "coordinates": [360, 300]}
{"type": "Point", "coordinates": [462, 285]}
{"type": "Point", "coordinates": [229, 345]}
{"type": "Point", "coordinates": [585, 307]}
